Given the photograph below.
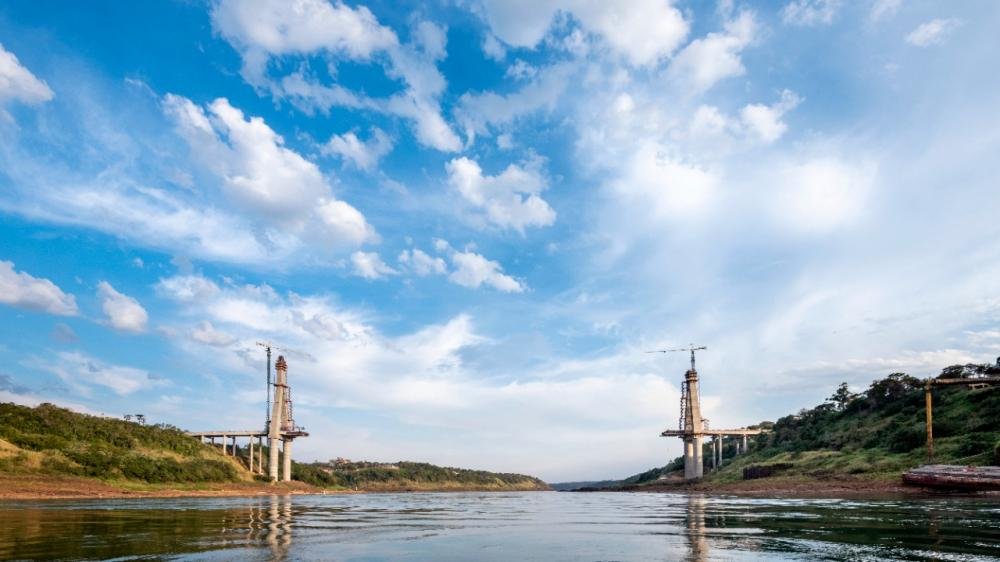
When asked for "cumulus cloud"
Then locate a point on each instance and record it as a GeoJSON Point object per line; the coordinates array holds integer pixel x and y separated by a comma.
{"type": "Point", "coordinates": [934, 32]}
{"type": "Point", "coordinates": [363, 155]}
{"type": "Point", "coordinates": [370, 266]}
{"type": "Point", "coordinates": [265, 29]}
{"type": "Point", "coordinates": [421, 263]}
{"type": "Point", "coordinates": [260, 174]}
{"type": "Point", "coordinates": [810, 12]}
{"type": "Point", "coordinates": [707, 60]}
{"type": "Point", "coordinates": [17, 83]}
{"type": "Point", "coordinates": [207, 334]}
{"type": "Point", "coordinates": [122, 311]}
{"type": "Point", "coordinates": [510, 199]}
{"type": "Point", "coordinates": [643, 32]}
{"type": "Point", "coordinates": [82, 372]}
{"type": "Point", "coordinates": [472, 270]}
{"type": "Point", "coordinates": [22, 290]}
{"type": "Point", "coordinates": [765, 121]}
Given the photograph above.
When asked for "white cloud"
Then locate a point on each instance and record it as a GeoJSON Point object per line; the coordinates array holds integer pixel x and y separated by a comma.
{"type": "Point", "coordinates": [493, 48]}
{"type": "Point", "coordinates": [478, 112]}
{"type": "Point", "coordinates": [207, 334]}
{"type": "Point", "coordinates": [123, 312]}
{"type": "Point", "coordinates": [660, 187]}
{"type": "Point", "coordinates": [822, 194]}
{"type": "Point", "coordinates": [510, 199]}
{"type": "Point", "coordinates": [520, 70]}
{"type": "Point", "coordinates": [421, 263]}
{"type": "Point", "coordinates": [257, 171]}
{"type": "Point", "coordinates": [264, 29]}
{"type": "Point", "coordinates": [642, 31]}
{"type": "Point", "coordinates": [187, 288]}
{"type": "Point", "coordinates": [81, 372]}
{"type": "Point", "coordinates": [810, 12]}
{"type": "Point", "coordinates": [364, 155]}
{"type": "Point", "coordinates": [934, 32]}
{"type": "Point", "coordinates": [261, 28]}
{"type": "Point", "coordinates": [24, 291]}
{"type": "Point", "coordinates": [472, 270]}
{"type": "Point", "coordinates": [370, 266]}
{"type": "Point", "coordinates": [17, 83]}
{"type": "Point", "coordinates": [765, 121]}
{"type": "Point", "coordinates": [882, 9]}
{"type": "Point", "coordinates": [260, 174]}
{"type": "Point", "coordinates": [708, 122]}
{"type": "Point", "coordinates": [707, 60]}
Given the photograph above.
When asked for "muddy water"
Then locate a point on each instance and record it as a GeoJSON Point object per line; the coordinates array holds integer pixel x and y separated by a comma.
{"type": "Point", "coordinates": [502, 526]}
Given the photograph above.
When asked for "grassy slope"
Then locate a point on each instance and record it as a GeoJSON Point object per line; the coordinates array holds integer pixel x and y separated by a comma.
{"type": "Point", "coordinates": [409, 476]}
{"type": "Point", "coordinates": [874, 435]}
{"type": "Point", "coordinates": [53, 441]}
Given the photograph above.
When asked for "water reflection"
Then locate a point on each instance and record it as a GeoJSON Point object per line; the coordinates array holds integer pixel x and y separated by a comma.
{"type": "Point", "coordinates": [529, 526]}
{"type": "Point", "coordinates": [279, 526]}
{"type": "Point", "coordinates": [697, 544]}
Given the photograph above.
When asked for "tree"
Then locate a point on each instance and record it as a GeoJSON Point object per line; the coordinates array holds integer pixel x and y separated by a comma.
{"type": "Point", "coordinates": [842, 397]}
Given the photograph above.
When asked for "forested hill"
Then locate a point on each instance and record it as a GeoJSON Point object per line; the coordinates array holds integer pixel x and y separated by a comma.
{"type": "Point", "coordinates": [408, 476]}
{"type": "Point", "coordinates": [54, 441]}
{"type": "Point", "coordinates": [875, 433]}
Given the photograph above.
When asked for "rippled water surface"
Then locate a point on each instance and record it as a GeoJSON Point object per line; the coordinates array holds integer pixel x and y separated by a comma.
{"type": "Point", "coordinates": [502, 526]}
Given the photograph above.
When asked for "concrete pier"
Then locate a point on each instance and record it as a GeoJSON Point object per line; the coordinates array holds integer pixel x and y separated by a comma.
{"type": "Point", "coordinates": [286, 458]}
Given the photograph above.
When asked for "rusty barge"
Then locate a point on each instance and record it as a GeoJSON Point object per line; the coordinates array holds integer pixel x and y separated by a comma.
{"type": "Point", "coordinates": [954, 477]}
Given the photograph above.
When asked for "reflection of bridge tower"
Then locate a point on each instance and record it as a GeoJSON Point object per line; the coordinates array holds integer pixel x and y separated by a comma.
{"type": "Point", "coordinates": [692, 427]}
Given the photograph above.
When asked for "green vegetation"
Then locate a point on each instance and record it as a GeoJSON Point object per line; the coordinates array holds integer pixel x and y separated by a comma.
{"type": "Point", "coordinates": [342, 474]}
{"type": "Point", "coordinates": [56, 441]}
{"type": "Point", "coordinates": [875, 434]}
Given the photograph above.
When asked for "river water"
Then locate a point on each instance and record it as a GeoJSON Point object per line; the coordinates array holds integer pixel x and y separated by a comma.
{"type": "Point", "coordinates": [502, 526]}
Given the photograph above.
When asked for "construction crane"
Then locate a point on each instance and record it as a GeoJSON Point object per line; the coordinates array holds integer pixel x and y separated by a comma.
{"type": "Point", "coordinates": [268, 346]}
{"type": "Point", "coordinates": [690, 348]}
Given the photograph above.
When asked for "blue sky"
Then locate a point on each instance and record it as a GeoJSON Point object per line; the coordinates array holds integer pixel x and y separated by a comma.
{"type": "Point", "coordinates": [469, 220]}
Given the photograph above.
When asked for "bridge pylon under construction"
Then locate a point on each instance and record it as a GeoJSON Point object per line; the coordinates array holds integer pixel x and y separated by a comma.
{"type": "Point", "coordinates": [693, 428]}
{"type": "Point", "coordinates": [280, 428]}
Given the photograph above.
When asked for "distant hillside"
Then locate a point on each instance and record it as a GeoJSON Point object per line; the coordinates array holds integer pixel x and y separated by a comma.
{"type": "Point", "coordinates": [408, 476]}
{"type": "Point", "coordinates": [56, 442]}
{"type": "Point", "coordinates": [877, 433]}
{"type": "Point", "coordinates": [49, 440]}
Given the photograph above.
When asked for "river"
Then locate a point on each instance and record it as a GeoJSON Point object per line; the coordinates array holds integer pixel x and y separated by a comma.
{"type": "Point", "coordinates": [503, 526]}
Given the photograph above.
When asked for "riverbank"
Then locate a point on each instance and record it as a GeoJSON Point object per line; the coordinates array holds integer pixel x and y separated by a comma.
{"type": "Point", "coordinates": [36, 487]}
{"type": "Point", "coordinates": [805, 487]}
{"type": "Point", "coordinates": [32, 487]}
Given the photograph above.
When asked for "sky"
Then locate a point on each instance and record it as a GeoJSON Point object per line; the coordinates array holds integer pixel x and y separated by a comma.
{"type": "Point", "coordinates": [465, 223]}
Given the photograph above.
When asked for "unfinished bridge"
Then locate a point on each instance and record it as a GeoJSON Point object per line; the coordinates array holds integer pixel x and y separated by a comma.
{"type": "Point", "coordinates": [278, 427]}
{"type": "Point", "coordinates": [693, 429]}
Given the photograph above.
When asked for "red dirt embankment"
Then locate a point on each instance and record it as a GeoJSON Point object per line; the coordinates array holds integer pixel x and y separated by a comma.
{"type": "Point", "coordinates": [830, 487]}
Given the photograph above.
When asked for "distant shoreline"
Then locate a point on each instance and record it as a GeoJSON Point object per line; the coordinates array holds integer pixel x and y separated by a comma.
{"type": "Point", "coordinates": [798, 487]}
{"type": "Point", "coordinates": [33, 487]}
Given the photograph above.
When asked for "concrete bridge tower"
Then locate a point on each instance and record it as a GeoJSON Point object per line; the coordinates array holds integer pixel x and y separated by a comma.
{"type": "Point", "coordinates": [277, 413]}
{"type": "Point", "coordinates": [693, 427]}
